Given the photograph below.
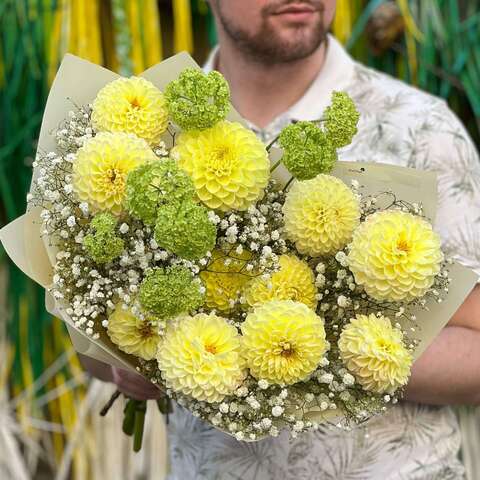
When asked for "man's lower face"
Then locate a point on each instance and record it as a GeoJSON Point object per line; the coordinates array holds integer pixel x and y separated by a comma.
{"type": "Point", "coordinates": [284, 35]}
{"type": "Point", "coordinates": [298, 34]}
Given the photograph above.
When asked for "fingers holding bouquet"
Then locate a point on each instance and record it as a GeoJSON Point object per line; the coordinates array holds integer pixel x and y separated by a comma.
{"type": "Point", "coordinates": [134, 385]}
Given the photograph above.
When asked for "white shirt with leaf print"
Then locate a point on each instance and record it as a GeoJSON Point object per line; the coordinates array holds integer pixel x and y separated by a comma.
{"type": "Point", "coordinates": [399, 125]}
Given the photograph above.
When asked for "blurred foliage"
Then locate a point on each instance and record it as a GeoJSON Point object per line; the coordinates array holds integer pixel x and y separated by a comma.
{"type": "Point", "coordinates": [23, 92]}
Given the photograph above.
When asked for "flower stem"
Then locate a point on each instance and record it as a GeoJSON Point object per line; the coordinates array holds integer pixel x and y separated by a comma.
{"type": "Point", "coordinates": [288, 183]}
{"type": "Point", "coordinates": [275, 165]}
{"type": "Point", "coordinates": [139, 424]}
{"type": "Point", "coordinates": [272, 143]}
{"type": "Point", "coordinates": [110, 403]}
{"type": "Point", "coordinates": [165, 406]}
{"type": "Point", "coordinates": [129, 417]}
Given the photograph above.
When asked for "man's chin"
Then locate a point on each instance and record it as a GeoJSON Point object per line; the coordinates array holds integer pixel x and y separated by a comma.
{"type": "Point", "coordinates": [295, 34]}
{"type": "Point", "coordinates": [295, 46]}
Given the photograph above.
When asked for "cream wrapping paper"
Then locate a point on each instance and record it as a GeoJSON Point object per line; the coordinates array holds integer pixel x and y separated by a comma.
{"type": "Point", "coordinates": [77, 83]}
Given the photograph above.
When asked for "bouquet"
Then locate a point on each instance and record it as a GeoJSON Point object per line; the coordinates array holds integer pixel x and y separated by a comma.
{"type": "Point", "coordinates": [261, 288]}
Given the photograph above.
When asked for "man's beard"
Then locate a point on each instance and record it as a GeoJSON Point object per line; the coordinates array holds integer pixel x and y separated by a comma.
{"type": "Point", "coordinates": [266, 46]}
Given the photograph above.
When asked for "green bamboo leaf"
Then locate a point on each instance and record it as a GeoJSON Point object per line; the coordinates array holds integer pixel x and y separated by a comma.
{"type": "Point", "coordinates": [471, 23]}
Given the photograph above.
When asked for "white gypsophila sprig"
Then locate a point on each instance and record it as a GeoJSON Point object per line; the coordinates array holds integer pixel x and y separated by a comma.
{"type": "Point", "coordinates": [256, 230]}
{"type": "Point", "coordinates": [75, 130]}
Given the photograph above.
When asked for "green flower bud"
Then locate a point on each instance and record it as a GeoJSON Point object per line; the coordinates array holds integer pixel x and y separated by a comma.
{"type": "Point", "coordinates": [101, 244]}
{"type": "Point", "coordinates": [154, 184]}
{"type": "Point", "coordinates": [197, 100]}
{"type": "Point", "coordinates": [168, 292]}
{"type": "Point", "coordinates": [341, 119]}
{"type": "Point", "coordinates": [307, 151]}
{"type": "Point", "coordinates": [185, 230]}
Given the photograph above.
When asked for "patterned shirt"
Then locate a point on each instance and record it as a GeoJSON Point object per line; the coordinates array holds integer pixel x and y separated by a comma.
{"type": "Point", "coordinates": [399, 125]}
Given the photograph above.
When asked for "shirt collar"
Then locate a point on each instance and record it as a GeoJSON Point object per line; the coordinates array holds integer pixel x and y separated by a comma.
{"type": "Point", "coordinates": [336, 73]}
{"type": "Point", "coordinates": [211, 61]}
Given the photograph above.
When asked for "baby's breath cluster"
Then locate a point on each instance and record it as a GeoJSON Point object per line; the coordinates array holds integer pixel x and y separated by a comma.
{"type": "Point", "coordinates": [249, 245]}
{"type": "Point", "coordinates": [258, 229]}
{"type": "Point", "coordinates": [75, 130]}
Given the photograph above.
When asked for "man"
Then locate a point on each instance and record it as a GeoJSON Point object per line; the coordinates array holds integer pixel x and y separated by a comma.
{"type": "Point", "coordinates": [282, 66]}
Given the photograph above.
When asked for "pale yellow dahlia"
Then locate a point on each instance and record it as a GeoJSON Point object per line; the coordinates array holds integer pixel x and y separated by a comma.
{"type": "Point", "coordinates": [228, 164]}
{"type": "Point", "coordinates": [294, 281]}
{"type": "Point", "coordinates": [395, 256]}
{"type": "Point", "coordinates": [131, 105]}
{"type": "Point", "coordinates": [133, 335]}
{"type": "Point", "coordinates": [283, 341]}
{"type": "Point", "coordinates": [102, 165]}
{"type": "Point", "coordinates": [320, 215]}
{"type": "Point", "coordinates": [201, 356]}
{"type": "Point", "coordinates": [374, 352]}
{"type": "Point", "coordinates": [224, 284]}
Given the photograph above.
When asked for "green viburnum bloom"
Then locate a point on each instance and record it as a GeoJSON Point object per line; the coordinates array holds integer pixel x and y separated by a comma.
{"type": "Point", "coordinates": [341, 119]}
{"type": "Point", "coordinates": [101, 244]}
{"type": "Point", "coordinates": [307, 151]}
{"type": "Point", "coordinates": [154, 184]}
{"type": "Point", "coordinates": [168, 292]}
{"type": "Point", "coordinates": [197, 100]}
{"type": "Point", "coordinates": [185, 230]}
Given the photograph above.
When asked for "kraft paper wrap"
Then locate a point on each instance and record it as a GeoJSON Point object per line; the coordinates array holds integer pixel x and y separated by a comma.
{"type": "Point", "coordinates": [77, 83]}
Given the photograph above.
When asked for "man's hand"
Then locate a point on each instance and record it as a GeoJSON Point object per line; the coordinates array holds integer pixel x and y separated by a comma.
{"type": "Point", "coordinates": [130, 384]}
{"type": "Point", "coordinates": [448, 372]}
{"type": "Point", "coordinates": [134, 386]}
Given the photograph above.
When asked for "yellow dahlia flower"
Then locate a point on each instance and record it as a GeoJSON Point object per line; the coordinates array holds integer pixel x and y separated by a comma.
{"type": "Point", "coordinates": [229, 166]}
{"type": "Point", "coordinates": [283, 341]}
{"type": "Point", "coordinates": [224, 284]}
{"type": "Point", "coordinates": [320, 215]}
{"type": "Point", "coordinates": [133, 335]}
{"type": "Point", "coordinates": [102, 165]}
{"type": "Point", "coordinates": [395, 256]}
{"type": "Point", "coordinates": [294, 281]}
{"type": "Point", "coordinates": [374, 351]}
{"type": "Point", "coordinates": [201, 357]}
{"type": "Point", "coordinates": [131, 105]}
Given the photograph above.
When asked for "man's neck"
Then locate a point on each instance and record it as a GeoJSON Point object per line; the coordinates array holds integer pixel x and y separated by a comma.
{"type": "Point", "coordinates": [261, 92]}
